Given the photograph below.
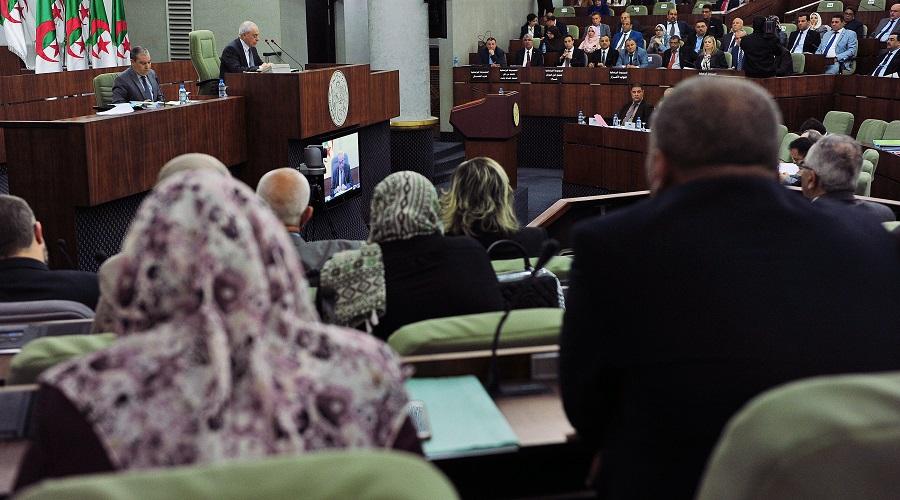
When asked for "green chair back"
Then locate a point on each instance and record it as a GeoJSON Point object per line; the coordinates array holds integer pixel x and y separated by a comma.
{"type": "Point", "coordinates": [567, 11]}
{"type": "Point", "coordinates": [799, 61]}
{"type": "Point", "coordinates": [574, 31]}
{"type": "Point", "coordinates": [637, 10]}
{"type": "Point", "coordinates": [782, 131]}
{"type": "Point", "coordinates": [872, 157]}
{"type": "Point", "coordinates": [838, 122]}
{"type": "Point", "coordinates": [103, 85]}
{"type": "Point", "coordinates": [474, 332]}
{"type": "Point", "coordinates": [784, 152]}
{"type": "Point", "coordinates": [748, 29]}
{"type": "Point", "coordinates": [871, 129]}
{"type": "Point", "coordinates": [559, 266]}
{"type": "Point", "coordinates": [362, 475]}
{"type": "Point", "coordinates": [871, 5]}
{"type": "Point", "coordinates": [204, 55]}
{"type": "Point", "coordinates": [789, 28]}
{"type": "Point", "coordinates": [864, 183]}
{"type": "Point", "coordinates": [893, 225]}
{"type": "Point", "coordinates": [728, 60]}
{"type": "Point", "coordinates": [867, 167]}
{"type": "Point", "coordinates": [698, 6]}
{"type": "Point", "coordinates": [46, 352]}
{"type": "Point", "coordinates": [662, 8]}
{"type": "Point", "coordinates": [892, 131]}
{"type": "Point", "coordinates": [830, 6]}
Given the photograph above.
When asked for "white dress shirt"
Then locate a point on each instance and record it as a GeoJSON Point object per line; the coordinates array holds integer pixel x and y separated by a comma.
{"type": "Point", "coordinates": [801, 39]}
{"type": "Point", "coordinates": [672, 28]}
{"type": "Point", "coordinates": [882, 67]}
{"type": "Point", "coordinates": [832, 51]}
{"type": "Point", "coordinates": [527, 57]}
{"type": "Point", "coordinates": [247, 56]}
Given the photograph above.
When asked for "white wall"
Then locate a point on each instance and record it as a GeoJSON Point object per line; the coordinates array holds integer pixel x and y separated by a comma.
{"type": "Point", "coordinates": [352, 31]}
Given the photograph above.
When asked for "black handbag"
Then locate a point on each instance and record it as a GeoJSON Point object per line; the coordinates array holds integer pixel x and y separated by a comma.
{"type": "Point", "coordinates": [527, 288]}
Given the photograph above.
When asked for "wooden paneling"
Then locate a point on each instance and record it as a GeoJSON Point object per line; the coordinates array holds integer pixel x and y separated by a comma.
{"type": "Point", "coordinates": [10, 64]}
{"type": "Point", "coordinates": [605, 157]}
{"type": "Point", "coordinates": [315, 118]}
{"type": "Point", "coordinates": [384, 96]}
{"type": "Point", "coordinates": [502, 151]}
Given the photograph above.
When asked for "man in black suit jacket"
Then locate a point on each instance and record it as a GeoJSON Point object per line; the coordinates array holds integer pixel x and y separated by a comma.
{"type": "Point", "coordinates": [805, 39]}
{"type": "Point", "coordinates": [730, 38]}
{"type": "Point", "coordinates": [716, 26]}
{"type": "Point", "coordinates": [24, 275]}
{"type": "Point", "coordinates": [137, 83]}
{"type": "Point", "coordinates": [491, 55]}
{"type": "Point", "coordinates": [721, 285]}
{"type": "Point", "coordinates": [890, 61]}
{"type": "Point", "coordinates": [240, 55]}
{"type": "Point", "coordinates": [685, 59]}
{"type": "Point", "coordinates": [642, 109]}
{"type": "Point", "coordinates": [673, 26]}
{"type": "Point", "coordinates": [761, 51]}
{"type": "Point", "coordinates": [571, 56]}
{"type": "Point", "coordinates": [528, 55]}
{"type": "Point", "coordinates": [605, 56]}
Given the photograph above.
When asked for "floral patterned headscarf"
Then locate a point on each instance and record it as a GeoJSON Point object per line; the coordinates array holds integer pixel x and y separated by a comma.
{"type": "Point", "coordinates": [221, 355]}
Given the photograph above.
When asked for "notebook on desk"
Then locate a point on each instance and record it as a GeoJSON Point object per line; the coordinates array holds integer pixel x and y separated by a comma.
{"type": "Point", "coordinates": [464, 420]}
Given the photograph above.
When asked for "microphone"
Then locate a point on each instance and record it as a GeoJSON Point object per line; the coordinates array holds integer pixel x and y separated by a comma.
{"type": "Point", "coordinates": [299, 65]}
{"type": "Point", "coordinates": [63, 250]}
{"type": "Point", "coordinates": [274, 52]}
{"type": "Point", "coordinates": [548, 251]}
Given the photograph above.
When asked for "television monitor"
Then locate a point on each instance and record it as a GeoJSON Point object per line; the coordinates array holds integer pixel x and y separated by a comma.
{"type": "Point", "coordinates": [340, 157]}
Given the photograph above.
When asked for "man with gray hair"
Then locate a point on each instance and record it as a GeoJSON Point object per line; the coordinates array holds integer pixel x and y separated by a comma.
{"type": "Point", "coordinates": [240, 55]}
{"type": "Point", "coordinates": [528, 55]}
{"type": "Point", "coordinates": [24, 275]}
{"type": "Point", "coordinates": [829, 174]}
{"type": "Point", "coordinates": [137, 83]}
{"type": "Point", "coordinates": [287, 192]}
{"type": "Point", "coordinates": [683, 307]}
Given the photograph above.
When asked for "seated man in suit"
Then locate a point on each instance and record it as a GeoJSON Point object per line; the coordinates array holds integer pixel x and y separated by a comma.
{"type": "Point", "coordinates": [852, 23]}
{"type": "Point", "coordinates": [694, 40]}
{"type": "Point", "coordinates": [601, 28]}
{"type": "Point", "coordinates": [715, 26]}
{"type": "Point", "coordinates": [286, 191]}
{"type": "Point", "coordinates": [572, 56]}
{"type": "Point", "coordinates": [829, 172]}
{"type": "Point", "coordinates": [683, 307]}
{"type": "Point", "coordinates": [491, 55]}
{"type": "Point", "coordinates": [24, 275]}
{"type": "Point", "coordinates": [528, 55]}
{"type": "Point", "coordinates": [605, 56]}
{"type": "Point", "coordinates": [553, 22]}
{"type": "Point", "coordinates": [240, 55]}
{"type": "Point", "coordinates": [137, 83]}
{"type": "Point", "coordinates": [633, 56]}
{"type": "Point", "coordinates": [805, 39]}
{"type": "Point", "coordinates": [628, 32]}
{"type": "Point", "coordinates": [888, 25]}
{"type": "Point", "coordinates": [637, 107]}
{"type": "Point", "coordinates": [674, 26]}
{"type": "Point", "coordinates": [678, 56]}
{"type": "Point", "coordinates": [341, 174]}
{"type": "Point", "coordinates": [729, 41]}
{"type": "Point", "coordinates": [839, 43]}
{"type": "Point", "coordinates": [890, 62]}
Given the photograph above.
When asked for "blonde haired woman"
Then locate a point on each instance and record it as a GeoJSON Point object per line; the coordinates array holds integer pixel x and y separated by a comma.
{"type": "Point", "coordinates": [480, 204]}
{"type": "Point", "coordinates": [710, 57]}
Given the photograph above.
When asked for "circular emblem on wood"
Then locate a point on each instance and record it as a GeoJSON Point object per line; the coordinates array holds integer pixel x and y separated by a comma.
{"type": "Point", "coordinates": [338, 98]}
{"type": "Point", "coordinates": [515, 114]}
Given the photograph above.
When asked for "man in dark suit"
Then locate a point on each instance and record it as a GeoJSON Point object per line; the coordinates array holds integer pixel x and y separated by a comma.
{"type": "Point", "coordinates": [572, 56]}
{"type": "Point", "coordinates": [805, 39]}
{"type": "Point", "coordinates": [715, 25]}
{"type": "Point", "coordinates": [137, 83]}
{"type": "Point", "coordinates": [684, 57]}
{"type": "Point", "coordinates": [729, 41]}
{"type": "Point", "coordinates": [341, 174]}
{"type": "Point", "coordinates": [627, 32]}
{"type": "Point", "coordinates": [24, 275]}
{"type": "Point", "coordinates": [890, 61]}
{"type": "Point", "coordinates": [760, 51]}
{"type": "Point", "coordinates": [721, 285]}
{"type": "Point", "coordinates": [888, 25]}
{"type": "Point", "coordinates": [240, 55]}
{"type": "Point", "coordinates": [675, 27]}
{"type": "Point", "coordinates": [637, 107]}
{"type": "Point", "coordinates": [528, 55]}
{"type": "Point", "coordinates": [852, 23]}
{"type": "Point", "coordinates": [605, 56]}
{"type": "Point", "coordinates": [553, 21]}
{"type": "Point", "coordinates": [491, 55]}
{"type": "Point", "coordinates": [694, 40]}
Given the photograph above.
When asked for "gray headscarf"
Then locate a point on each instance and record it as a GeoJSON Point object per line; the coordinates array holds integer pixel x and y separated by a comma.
{"type": "Point", "coordinates": [404, 205]}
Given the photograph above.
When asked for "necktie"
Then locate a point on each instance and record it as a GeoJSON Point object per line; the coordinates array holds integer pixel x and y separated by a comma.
{"type": "Point", "coordinates": [671, 28]}
{"type": "Point", "coordinates": [147, 93]}
{"type": "Point", "coordinates": [672, 59]}
{"type": "Point", "coordinates": [886, 31]}
{"type": "Point", "coordinates": [622, 40]}
{"type": "Point", "coordinates": [731, 43]}
{"type": "Point", "coordinates": [724, 7]}
{"type": "Point", "coordinates": [834, 37]}
{"type": "Point", "coordinates": [797, 41]}
{"type": "Point", "coordinates": [603, 57]}
{"type": "Point", "coordinates": [629, 116]}
{"type": "Point", "coordinates": [527, 57]}
{"type": "Point", "coordinates": [739, 55]}
{"type": "Point", "coordinates": [631, 59]}
{"type": "Point", "coordinates": [879, 71]}
{"type": "Point", "coordinates": [249, 59]}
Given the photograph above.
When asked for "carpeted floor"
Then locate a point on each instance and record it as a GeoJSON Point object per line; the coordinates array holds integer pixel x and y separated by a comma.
{"type": "Point", "coordinates": [544, 188]}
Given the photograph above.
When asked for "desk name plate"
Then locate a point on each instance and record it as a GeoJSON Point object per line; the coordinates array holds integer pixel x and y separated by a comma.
{"type": "Point", "coordinates": [479, 74]}
{"type": "Point", "coordinates": [553, 75]}
{"type": "Point", "coordinates": [618, 76]}
{"type": "Point", "coordinates": [509, 74]}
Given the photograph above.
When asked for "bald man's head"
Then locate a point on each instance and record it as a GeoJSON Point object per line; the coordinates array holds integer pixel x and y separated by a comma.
{"type": "Point", "coordinates": [192, 161]}
{"type": "Point", "coordinates": [287, 193]}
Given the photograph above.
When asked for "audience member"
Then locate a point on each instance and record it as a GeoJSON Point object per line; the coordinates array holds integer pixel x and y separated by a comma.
{"type": "Point", "coordinates": [888, 25]}
{"type": "Point", "coordinates": [571, 57]}
{"type": "Point", "coordinates": [221, 355]}
{"type": "Point", "coordinates": [637, 107]}
{"type": "Point", "coordinates": [591, 41]}
{"type": "Point", "coordinates": [674, 26]}
{"type": "Point", "coordinates": [813, 135]}
{"type": "Point", "coordinates": [139, 82]}
{"type": "Point", "coordinates": [729, 41]}
{"type": "Point", "coordinates": [679, 56]}
{"type": "Point", "coordinates": [627, 32]}
{"type": "Point", "coordinates": [545, 7]}
{"type": "Point", "coordinates": [812, 124]}
{"type": "Point", "coordinates": [815, 23]}
{"type": "Point", "coordinates": [829, 174]}
{"type": "Point", "coordinates": [24, 275]}
{"type": "Point", "coordinates": [758, 51]}
{"type": "Point", "coordinates": [601, 28]}
{"type": "Point", "coordinates": [553, 22]}
{"type": "Point", "coordinates": [480, 204]}
{"type": "Point", "coordinates": [659, 42]}
{"type": "Point", "coordinates": [409, 271]}
{"type": "Point", "coordinates": [605, 56]}
{"type": "Point", "coordinates": [240, 55]}
{"type": "Point", "coordinates": [633, 56]}
{"type": "Point", "coordinates": [191, 161]}
{"type": "Point", "coordinates": [805, 39]}
{"type": "Point", "coordinates": [798, 149]}
{"type": "Point", "coordinates": [779, 31]}
{"type": "Point", "coordinates": [710, 57]}
{"type": "Point", "coordinates": [684, 307]}
{"type": "Point", "coordinates": [552, 41]}
{"type": "Point", "coordinates": [491, 55]}
{"type": "Point", "coordinates": [694, 40]}
{"type": "Point", "coordinates": [715, 26]}
{"type": "Point", "coordinates": [853, 24]}
{"type": "Point", "coordinates": [531, 27]}
{"type": "Point", "coordinates": [286, 191]}
{"type": "Point", "coordinates": [528, 55]}
{"type": "Point", "coordinates": [839, 43]}
{"type": "Point", "coordinates": [600, 7]}
{"type": "Point", "coordinates": [890, 62]}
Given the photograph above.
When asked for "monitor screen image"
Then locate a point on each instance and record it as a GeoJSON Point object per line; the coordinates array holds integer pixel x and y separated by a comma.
{"type": "Point", "coordinates": [341, 159]}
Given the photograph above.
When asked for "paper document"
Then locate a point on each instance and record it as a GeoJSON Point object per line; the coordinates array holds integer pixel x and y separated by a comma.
{"type": "Point", "coordinates": [118, 109]}
{"type": "Point", "coordinates": [788, 168]}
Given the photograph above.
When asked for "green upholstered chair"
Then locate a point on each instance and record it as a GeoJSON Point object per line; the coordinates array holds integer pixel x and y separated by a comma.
{"type": "Point", "coordinates": [473, 332]}
{"type": "Point", "coordinates": [782, 131]}
{"type": "Point", "coordinates": [784, 152]}
{"type": "Point", "coordinates": [871, 129]}
{"type": "Point", "coordinates": [789, 28]}
{"type": "Point", "coordinates": [892, 131]}
{"type": "Point", "coordinates": [567, 11]}
{"type": "Point", "coordinates": [558, 265]}
{"type": "Point", "coordinates": [698, 6]}
{"type": "Point", "coordinates": [872, 156]}
{"type": "Point", "coordinates": [864, 183]}
{"type": "Point", "coordinates": [362, 475]}
{"type": "Point", "coordinates": [637, 10]}
{"type": "Point", "coordinates": [799, 61]}
{"type": "Point", "coordinates": [838, 122]}
{"type": "Point", "coordinates": [103, 86]}
{"type": "Point", "coordinates": [574, 31]}
{"type": "Point", "coordinates": [893, 225]}
{"type": "Point", "coordinates": [46, 352]}
{"type": "Point", "coordinates": [728, 60]}
{"type": "Point", "coordinates": [748, 30]}
{"type": "Point", "coordinates": [662, 8]}
{"type": "Point", "coordinates": [867, 167]}
{"type": "Point", "coordinates": [206, 61]}
{"type": "Point", "coordinates": [871, 5]}
{"type": "Point", "coordinates": [830, 6]}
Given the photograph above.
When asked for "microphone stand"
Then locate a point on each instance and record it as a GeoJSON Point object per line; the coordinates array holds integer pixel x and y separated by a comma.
{"type": "Point", "coordinates": [299, 65]}
{"type": "Point", "coordinates": [274, 52]}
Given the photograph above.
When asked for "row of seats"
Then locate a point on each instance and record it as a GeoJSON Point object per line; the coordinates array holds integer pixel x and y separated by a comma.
{"type": "Point", "coordinates": [662, 8]}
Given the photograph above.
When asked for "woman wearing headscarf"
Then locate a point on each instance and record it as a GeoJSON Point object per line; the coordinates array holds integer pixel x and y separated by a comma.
{"type": "Point", "coordinates": [591, 41]}
{"type": "Point", "coordinates": [659, 42]}
{"type": "Point", "coordinates": [409, 271]}
{"type": "Point", "coordinates": [815, 23]}
{"type": "Point", "coordinates": [600, 7]}
{"type": "Point", "coordinates": [552, 41]}
{"type": "Point", "coordinates": [220, 354]}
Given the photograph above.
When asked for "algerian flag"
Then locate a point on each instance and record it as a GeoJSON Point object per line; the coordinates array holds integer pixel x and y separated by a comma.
{"type": "Point", "coordinates": [77, 16]}
{"type": "Point", "coordinates": [46, 43]}
{"type": "Point", "coordinates": [120, 33]}
{"type": "Point", "coordinates": [18, 27]}
{"type": "Point", "coordinates": [100, 41]}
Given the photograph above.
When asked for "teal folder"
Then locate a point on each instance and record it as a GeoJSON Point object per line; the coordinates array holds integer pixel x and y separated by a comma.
{"type": "Point", "coordinates": [464, 419]}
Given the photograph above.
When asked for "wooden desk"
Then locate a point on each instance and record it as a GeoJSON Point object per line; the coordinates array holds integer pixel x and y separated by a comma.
{"type": "Point", "coordinates": [59, 166]}
{"type": "Point", "coordinates": [604, 157]}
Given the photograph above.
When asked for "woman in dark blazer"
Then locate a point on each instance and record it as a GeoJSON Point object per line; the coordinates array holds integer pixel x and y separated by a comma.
{"type": "Point", "coordinates": [710, 57]}
{"type": "Point", "coordinates": [531, 26]}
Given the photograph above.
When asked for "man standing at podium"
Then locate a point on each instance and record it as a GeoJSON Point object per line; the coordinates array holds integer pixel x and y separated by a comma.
{"type": "Point", "coordinates": [241, 55]}
{"type": "Point", "coordinates": [137, 83]}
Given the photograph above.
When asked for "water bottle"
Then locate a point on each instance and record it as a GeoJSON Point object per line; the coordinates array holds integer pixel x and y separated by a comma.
{"type": "Point", "coordinates": [580, 117]}
{"type": "Point", "coordinates": [637, 124]}
{"type": "Point", "coordinates": [222, 88]}
{"type": "Point", "coordinates": [455, 61]}
{"type": "Point", "coordinates": [616, 121]}
{"type": "Point", "coordinates": [500, 91]}
{"type": "Point", "coordinates": [543, 48]}
{"type": "Point", "coordinates": [182, 95]}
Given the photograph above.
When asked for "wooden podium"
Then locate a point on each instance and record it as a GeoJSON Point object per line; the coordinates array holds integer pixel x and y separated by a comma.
{"type": "Point", "coordinates": [491, 127]}
{"type": "Point", "coordinates": [816, 64]}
